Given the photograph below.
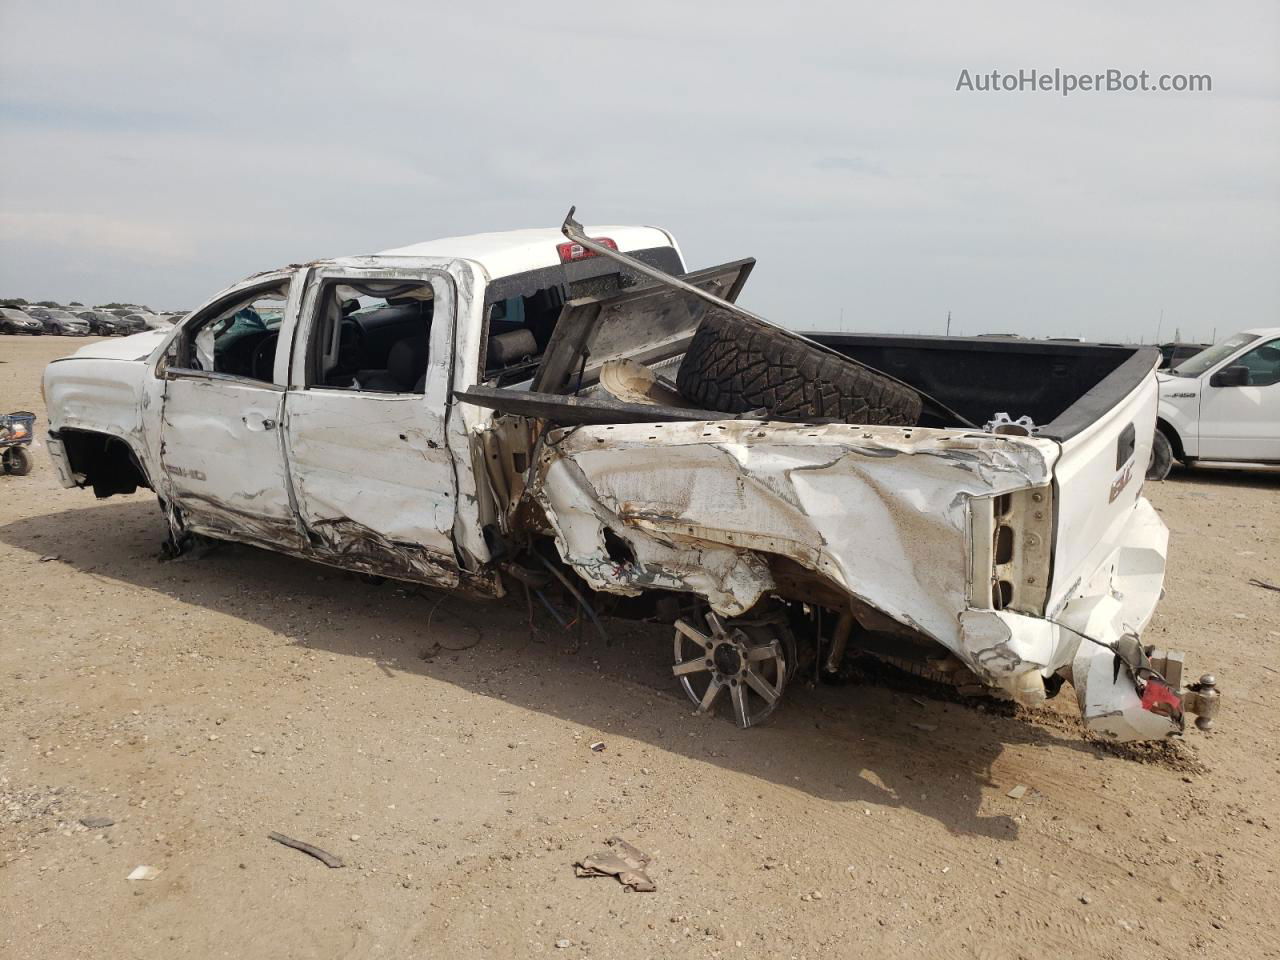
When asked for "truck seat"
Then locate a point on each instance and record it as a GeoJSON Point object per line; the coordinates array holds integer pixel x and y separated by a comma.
{"type": "Point", "coordinates": [406, 369]}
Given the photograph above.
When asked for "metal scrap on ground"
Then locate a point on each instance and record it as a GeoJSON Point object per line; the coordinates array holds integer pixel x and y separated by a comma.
{"type": "Point", "coordinates": [624, 862]}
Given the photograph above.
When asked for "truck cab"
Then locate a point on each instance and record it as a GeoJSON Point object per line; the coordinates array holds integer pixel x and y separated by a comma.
{"type": "Point", "coordinates": [1223, 404]}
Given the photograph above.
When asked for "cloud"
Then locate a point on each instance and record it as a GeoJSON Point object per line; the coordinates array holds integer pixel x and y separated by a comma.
{"type": "Point", "coordinates": [79, 234]}
{"type": "Point", "coordinates": [157, 151]}
{"type": "Point", "coordinates": [858, 165]}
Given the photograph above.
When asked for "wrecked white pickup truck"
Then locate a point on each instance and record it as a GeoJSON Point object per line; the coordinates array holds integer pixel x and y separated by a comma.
{"type": "Point", "coordinates": [573, 409]}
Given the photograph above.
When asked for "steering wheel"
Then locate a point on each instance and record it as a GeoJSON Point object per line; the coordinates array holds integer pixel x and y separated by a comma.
{"type": "Point", "coordinates": [264, 354]}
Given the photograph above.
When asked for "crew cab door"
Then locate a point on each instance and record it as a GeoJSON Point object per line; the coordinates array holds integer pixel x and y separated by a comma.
{"type": "Point", "coordinates": [365, 421]}
{"type": "Point", "coordinates": [1242, 422]}
{"type": "Point", "coordinates": [220, 444]}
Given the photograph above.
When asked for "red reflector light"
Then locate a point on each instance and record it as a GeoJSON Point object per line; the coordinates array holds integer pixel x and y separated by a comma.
{"type": "Point", "coordinates": [570, 252]}
{"type": "Point", "coordinates": [1159, 698]}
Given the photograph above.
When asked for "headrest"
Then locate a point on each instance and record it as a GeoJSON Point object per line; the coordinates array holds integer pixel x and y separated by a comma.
{"type": "Point", "coordinates": [506, 348]}
{"type": "Point", "coordinates": [407, 360]}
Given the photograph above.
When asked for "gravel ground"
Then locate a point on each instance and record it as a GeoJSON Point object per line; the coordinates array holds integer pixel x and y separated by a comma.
{"type": "Point", "coordinates": [445, 755]}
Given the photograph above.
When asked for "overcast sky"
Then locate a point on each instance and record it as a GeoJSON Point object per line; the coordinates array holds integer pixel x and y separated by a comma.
{"type": "Point", "coordinates": [158, 151]}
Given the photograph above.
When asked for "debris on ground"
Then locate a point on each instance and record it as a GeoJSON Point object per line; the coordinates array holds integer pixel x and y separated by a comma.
{"type": "Point", "coordinates": [1018, 792]}
{"type": "Point", "coordinates": [624, 862]}
{"type": "Point", "coordinates": [926, 727]}
{"type": "Point", "coordinates": [328, 859]}
{"type": "Point", "coordinates": [1263, 584]}
{"type": "Point", "coordinates": [597, 747]}
{"type": "Point", "coordinates": [97, 823]}
{"type": "Point", "coordinates": [143, 872]}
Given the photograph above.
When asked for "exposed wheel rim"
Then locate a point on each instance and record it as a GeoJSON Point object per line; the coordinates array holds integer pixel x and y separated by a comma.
{"type": "Point", "coordinates": [722, 662]}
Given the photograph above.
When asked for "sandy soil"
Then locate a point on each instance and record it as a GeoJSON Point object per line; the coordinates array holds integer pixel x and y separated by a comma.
{"type": "Point", "coordinates": [445, 756]}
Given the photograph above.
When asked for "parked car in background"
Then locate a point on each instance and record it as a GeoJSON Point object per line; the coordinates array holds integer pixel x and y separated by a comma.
{"type": "Point", "coordinates": [103, 324]}
{"type": "Point", "coordinates": [60, 322]}
{"type": "Point", "coordinates": [13, 320]}
{"type": "Point", "coordinates": [1172, 354]}
{"type": "Point", "coordinates": [132, 322]}
{"type": "Point", "coordinates": [1223, 404]}
{"type": "Point", "coordinates": [152, 321]}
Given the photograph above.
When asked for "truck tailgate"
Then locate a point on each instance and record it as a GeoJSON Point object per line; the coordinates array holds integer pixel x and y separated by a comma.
{"type": "Point", "coordinates": [1098, 481]}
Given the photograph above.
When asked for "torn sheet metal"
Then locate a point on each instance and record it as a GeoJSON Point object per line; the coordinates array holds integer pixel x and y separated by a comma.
{"type": "Point", "coordinates": [1013, 651]}
{"type": "Point", "coordinates": [623, 861]}
{"type": "Point", "coordinates": [731, 580]}
{"type": "Point", "coordinates": [881, 512]}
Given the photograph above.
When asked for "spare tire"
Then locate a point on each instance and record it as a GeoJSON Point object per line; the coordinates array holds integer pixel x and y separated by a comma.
{"type": "Point", "coordinates": [736, 365]}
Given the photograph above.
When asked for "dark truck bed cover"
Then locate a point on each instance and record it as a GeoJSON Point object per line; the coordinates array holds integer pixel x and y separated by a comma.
{"type": "Point", "coordinates": [1063, 387]}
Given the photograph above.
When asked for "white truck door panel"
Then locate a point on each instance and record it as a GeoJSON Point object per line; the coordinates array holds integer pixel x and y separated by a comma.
{"type": "Point", "coordinates": [220, 445]}
{"type": "Point", "coordinates": [371, 471]}
{"type": "Point", "coordinates": [1243, 422]}
{"type": "Point", "coordinates": [220, 451]}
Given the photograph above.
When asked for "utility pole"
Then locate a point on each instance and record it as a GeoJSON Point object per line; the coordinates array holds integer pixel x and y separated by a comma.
{"type": "Point", "coordinates": [1159, 325]}
{"type": "Point", "coordinates": [948, 323]}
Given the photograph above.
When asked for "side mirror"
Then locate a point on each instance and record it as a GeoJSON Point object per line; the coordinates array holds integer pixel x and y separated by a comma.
{"type": "Point", "coordinates": [1237, 376]}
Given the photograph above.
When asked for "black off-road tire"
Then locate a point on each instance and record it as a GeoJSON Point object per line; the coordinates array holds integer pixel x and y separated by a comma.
{"type": "Point", "coordinates": [1161, 457]}
{"type": "Point", "coordinates": [736, 365]}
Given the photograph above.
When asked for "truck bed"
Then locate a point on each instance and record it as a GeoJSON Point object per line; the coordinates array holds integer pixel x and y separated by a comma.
{"type": "Point", "coordinates": [1063, 387]}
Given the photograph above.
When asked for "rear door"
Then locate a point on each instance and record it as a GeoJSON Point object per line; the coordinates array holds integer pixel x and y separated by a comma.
{"type": "Point", "coordinates": [365, 421]}
{"type": "Point", "coordinates": [1243, 423]}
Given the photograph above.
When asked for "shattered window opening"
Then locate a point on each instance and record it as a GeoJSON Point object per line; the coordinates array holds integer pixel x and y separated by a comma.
{"type": "Point", "coordinates": [236, 336]}
{"type": "Point", "coordinates": [371, 336]}
{"type": "Point", "coordinates": [523, 309]}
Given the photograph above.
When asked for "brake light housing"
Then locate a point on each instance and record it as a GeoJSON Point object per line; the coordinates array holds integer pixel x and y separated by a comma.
{"type": "Point", "coordinates": [571, 252]}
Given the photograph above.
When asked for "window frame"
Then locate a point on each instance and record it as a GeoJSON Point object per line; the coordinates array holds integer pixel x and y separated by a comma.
{"type": "Point", "coordinates": [444, 299]}
{"type": "Point", "coordinates": [183, 336]}
{"type": "Point", "coordinates": [1239, 361]}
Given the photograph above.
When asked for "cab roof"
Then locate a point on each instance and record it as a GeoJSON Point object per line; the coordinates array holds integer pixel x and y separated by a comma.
{"type": "Point", "coordinates": [517, 251]}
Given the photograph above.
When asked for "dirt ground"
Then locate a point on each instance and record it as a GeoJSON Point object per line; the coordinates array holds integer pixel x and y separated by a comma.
{"type": "Point", "coordinates": [446, 756]}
